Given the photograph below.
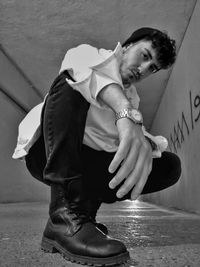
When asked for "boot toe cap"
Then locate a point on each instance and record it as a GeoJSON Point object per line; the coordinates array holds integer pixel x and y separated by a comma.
{"type": "Point", "coordinates": [107, 247]}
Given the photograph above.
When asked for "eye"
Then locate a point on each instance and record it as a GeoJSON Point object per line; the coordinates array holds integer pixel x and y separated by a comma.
{"type": "Point", "coordinates": [145, 56]}
{"type": "Point", "coordinates": [153, 68]}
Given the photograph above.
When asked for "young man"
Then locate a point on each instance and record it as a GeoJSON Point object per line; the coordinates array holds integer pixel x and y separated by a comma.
{"type": "Point", "coordinates": [88, 143]}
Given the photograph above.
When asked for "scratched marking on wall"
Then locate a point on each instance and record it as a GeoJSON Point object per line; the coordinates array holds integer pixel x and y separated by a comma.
{"type": "Point", "coordinates": [185, 124]}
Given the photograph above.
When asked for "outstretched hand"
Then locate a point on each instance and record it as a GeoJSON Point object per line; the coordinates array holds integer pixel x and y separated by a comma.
{"type": "Point", "coordinates": [135, 156]}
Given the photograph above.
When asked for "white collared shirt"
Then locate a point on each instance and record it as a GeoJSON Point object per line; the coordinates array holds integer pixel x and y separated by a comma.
{"type": "Point", "coordinates": [92, 69]}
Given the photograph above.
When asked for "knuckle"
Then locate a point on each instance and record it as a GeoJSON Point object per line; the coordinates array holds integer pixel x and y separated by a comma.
{"type": "Point", "coordinates": [127, 187]}
{"type": "Point", "coordinates": [122, 172]}
{"type": "Point", "coordinates": [127, 168]}
{"type": "Point", "coordinates": [118, 179]}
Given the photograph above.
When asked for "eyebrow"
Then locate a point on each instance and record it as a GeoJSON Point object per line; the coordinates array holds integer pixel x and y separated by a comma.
{"type": "Point", "coordinates": [150, 56]}
{"type": "Point", "coordinates": [148, 52]}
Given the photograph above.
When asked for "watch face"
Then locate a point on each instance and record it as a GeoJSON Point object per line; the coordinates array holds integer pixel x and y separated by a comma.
{"type": "Point", "coordinates": [136, 115]}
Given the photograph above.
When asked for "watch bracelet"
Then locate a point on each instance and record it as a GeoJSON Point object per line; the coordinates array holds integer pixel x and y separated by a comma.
{"type": "Point", "coordinates": [121, 114]}
{"type": "Point", "coordinates": [124, 114]}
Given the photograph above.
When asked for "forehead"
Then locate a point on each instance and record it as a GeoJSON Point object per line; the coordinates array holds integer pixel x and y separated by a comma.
{"type": "Point", "coordinates": [147, 45]}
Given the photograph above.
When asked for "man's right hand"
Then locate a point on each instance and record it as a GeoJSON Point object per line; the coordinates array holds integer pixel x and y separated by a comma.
{"type": "Point", "coordinates": [135, 156]}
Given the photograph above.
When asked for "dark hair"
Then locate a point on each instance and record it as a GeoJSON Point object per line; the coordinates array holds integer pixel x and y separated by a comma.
{"type": "Point", "coordinates": [165, 46]}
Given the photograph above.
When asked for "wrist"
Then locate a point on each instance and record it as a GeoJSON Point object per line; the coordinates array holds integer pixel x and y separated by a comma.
{"type": "Point", "coordinates": [130, 113]}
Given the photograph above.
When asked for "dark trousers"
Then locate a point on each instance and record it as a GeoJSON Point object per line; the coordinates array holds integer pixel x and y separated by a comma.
{"type": "Point", "coordinates": [59, 155]}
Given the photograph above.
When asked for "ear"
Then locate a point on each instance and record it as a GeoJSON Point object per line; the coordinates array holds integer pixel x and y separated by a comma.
{"type": "Point", "coordinates": [125, 48]}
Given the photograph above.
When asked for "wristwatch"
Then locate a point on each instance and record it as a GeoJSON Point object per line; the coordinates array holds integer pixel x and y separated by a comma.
{"type": "Point", "coordinates": [131, 113]}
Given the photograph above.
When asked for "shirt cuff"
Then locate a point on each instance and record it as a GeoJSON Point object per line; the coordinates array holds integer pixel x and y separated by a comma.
{"type": "Point", "coordinates": [159, 143]}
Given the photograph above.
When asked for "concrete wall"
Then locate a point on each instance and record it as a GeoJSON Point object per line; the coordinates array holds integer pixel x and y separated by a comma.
{"type": "Point", "coordinates": [16, 97]}
{"type": "Point", "coordinates": [37, 34]}
{"type": "Point", "coordinates": [178, 118]}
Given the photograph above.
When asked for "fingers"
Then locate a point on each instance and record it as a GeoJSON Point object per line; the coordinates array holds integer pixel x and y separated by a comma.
{"type": "Point", "coordinates": [141, 183]}
{"type": "Point", "coordinates": [119, 156]}
{"type": "Point", "coordinates": [137, 177]}
{"type": "Point", "coordinates": [135, 153]}
{"type": "Point", "coordinates": [126, 167]}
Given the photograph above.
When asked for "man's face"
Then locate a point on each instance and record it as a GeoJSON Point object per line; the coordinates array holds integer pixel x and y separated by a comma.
{"type": "Point", "coordinates": [138, 62]}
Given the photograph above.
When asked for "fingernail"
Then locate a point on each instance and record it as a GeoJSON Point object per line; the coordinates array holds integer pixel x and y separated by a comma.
{"type": "Point", "coordinates": [120, 194]}
{"type": "Point", "coordinates": [112, 185]}
{"type": "Point", "coordinates": [111, 170]}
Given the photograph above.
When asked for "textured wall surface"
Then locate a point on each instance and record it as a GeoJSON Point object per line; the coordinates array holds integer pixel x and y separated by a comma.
{"type": "Point", "coordinates": [178, 118]}
{"type": "Point", "coordinates": [14, 84]}
{"type": "Point", "coordinates": [36, 35]}
{"type": "Point", "coordinates": [15, 182]}
{"type": "Point", "coordinates": [16, 97]}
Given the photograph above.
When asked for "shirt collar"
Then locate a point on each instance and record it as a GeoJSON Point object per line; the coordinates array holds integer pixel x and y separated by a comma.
{"type": "Point", "coordinates": [118, 51]}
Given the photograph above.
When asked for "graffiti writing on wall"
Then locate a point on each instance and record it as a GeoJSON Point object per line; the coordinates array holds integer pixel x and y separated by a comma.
{"type": "Point", "coordinates": [185, 124]}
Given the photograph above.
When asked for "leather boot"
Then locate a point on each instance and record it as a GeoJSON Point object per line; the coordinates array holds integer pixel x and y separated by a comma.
{"type": "Point", "coordinates": [73, 233]}
{"type": "Point", "coordinates": [94, 205]}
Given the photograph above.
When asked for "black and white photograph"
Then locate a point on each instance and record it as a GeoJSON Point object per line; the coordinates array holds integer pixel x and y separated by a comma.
{"type": "Point", "coordinates": [99, 133]}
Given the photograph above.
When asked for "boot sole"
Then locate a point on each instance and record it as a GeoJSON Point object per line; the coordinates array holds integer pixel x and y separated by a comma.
{"type": "Point", "coordinates": [51, 246]}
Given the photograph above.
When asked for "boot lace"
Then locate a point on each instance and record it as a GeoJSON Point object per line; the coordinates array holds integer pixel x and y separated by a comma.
{"type": "Point", "coordinates": [78, 213]}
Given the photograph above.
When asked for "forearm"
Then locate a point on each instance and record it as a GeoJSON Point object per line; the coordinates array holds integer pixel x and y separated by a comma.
{"type": "Point", "coordinates": [113, 96]}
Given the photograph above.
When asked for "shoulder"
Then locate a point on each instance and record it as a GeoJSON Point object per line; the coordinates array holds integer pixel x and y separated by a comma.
{"type": "Point", "coordinates": [92, 53]}
{"type": "Point", "coordinates": [87, 54]}
{"type": "Point", "coordinates": [83, 48]}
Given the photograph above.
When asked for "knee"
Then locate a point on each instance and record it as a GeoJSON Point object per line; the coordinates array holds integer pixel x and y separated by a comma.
{"type": "Point", "coordinates": [175, 167]}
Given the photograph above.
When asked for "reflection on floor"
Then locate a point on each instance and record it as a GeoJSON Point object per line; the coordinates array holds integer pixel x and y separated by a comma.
{"type": "Point", "coordinates": [155, 236]}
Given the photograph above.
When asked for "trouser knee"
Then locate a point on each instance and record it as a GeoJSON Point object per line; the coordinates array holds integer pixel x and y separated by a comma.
{"type": "Point", "coordinates": [175, 170]}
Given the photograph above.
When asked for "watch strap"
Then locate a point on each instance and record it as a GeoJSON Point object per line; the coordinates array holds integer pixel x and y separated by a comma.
{"type": "Point", "coordinates": [124, 113]}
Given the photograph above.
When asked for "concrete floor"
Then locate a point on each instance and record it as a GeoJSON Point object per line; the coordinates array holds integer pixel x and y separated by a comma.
{"type": "Point", "coordinates": [155, 236]}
